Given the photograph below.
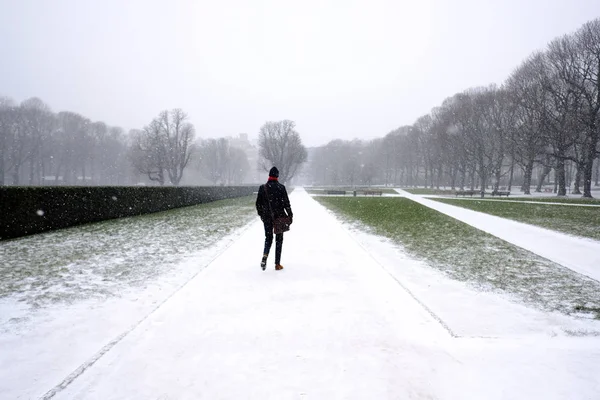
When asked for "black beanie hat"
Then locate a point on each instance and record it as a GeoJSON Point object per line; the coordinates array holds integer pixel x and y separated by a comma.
{"type": "Point", "coordinates": [274, 172]}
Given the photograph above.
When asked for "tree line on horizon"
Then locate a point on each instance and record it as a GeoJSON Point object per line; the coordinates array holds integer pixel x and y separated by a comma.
{"type": "Point", "coordinates": [544, 118]}
{"type": "Point", "coordinates": [40, 147]}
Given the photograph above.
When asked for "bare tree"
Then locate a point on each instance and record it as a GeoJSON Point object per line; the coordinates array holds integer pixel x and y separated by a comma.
{"type": "Point", "coordinates": [71, 135]}
{"type": "Point", "coordinates": [584, 77]}
{"type": "Point", "coordinates": [178, 136]}
{"type": "Point", "coordinates": [147, 152]}
{"type": "Point", "coordinates": [210, 163]}
{"type": "Point", "coordinates": [563, 128]}
{"type": "Point", "coordinates": [530, 95]}
{"type": "Point", "coordinates": [238, 166]}
{"type": "Point", "coordinates": [164, 147]}
{"type": "Point", "coordinates": [281, 146]}
{"type": "Point", "coordinates": [7, 115]}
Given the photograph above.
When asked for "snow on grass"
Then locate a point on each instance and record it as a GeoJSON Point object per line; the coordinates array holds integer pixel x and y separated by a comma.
{"type": "Point", "coordinates": [568, 201]}
{"type": "Point", "coordinates": [102, 280]}
{"type": "Point", "coordinates": [579, 221]}
{"type": "Point", "coordinates": [103, 259]}
{"type": "Point", "coordinates": [467, 254]}
{"type": "Point", "coordinates": [349, 189]}
{"type": "Point", "coordinates": [425, 191]}
{"type": "Point", "coordinates": [554, 199]}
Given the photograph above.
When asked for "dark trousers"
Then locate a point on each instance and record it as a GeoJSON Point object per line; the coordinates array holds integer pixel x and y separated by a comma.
{"type": "Point", "coordinates": [269, 241]}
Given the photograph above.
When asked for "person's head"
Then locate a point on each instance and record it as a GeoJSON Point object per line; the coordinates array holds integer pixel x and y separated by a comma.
{"type": "Point", "coordinates": [274, 173]}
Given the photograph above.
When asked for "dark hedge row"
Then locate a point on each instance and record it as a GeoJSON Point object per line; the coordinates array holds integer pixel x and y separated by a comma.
{"type": "Point", "coordinates": [29, 210]}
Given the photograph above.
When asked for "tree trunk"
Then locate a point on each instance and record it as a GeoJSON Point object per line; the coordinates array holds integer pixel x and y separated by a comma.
{"type": "Point", "coordinates": [498, 175]}
{"type": "Point", "coordinates": [543, 177]}
{"type": "Point", "coordinates": [597, 171]}
{"type": "Point", "coordinates": [42, 170]}
{"type": "Point", "coordinates": [32, 160]}
{"type": "Point", "coordinates": [56, 174]}
{"type": "Point", "coordinates": [577, 182]}
{"type": "Point", "coordinates": [560, 177]}
{"type": "Point", "coordinates": [1, 167]}
{"type": "Point", "coordinates": [589, 165]}
{"type": "Point", "coordinates": [527, 177]}
{"type": "Point", "coordinates": [511, 174]}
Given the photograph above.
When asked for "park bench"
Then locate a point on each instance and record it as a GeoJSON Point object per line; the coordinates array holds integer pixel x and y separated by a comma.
{"type": "Point", "coordinates": [336, 192]}
{"type": "Point", "coordinates": [465, 193]}
{"type": "Point", "coordinates": [500, 193]}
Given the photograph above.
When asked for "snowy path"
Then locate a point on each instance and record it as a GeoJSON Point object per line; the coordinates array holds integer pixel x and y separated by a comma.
{"type": "Point", "coordinates": [579, 254]}
{"type": "Point", "coordinates": [512, 201]}
{"type": "Point", "coordinates": [333, 324]}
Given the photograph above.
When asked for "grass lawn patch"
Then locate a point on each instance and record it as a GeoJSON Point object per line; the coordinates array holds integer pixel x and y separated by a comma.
{"type": "Point", "coordinates": [467, 254]}
{"type": "Point", "coordinates": [349, 189]}
{"type": "Point", "coordinates": [101, 259]}
{"type": "Point", "coordinates": [559, 200]}
{"type": "Point", "coordinates": [424, 191]}
{"type": "Point", "coordinates": [579, 221]}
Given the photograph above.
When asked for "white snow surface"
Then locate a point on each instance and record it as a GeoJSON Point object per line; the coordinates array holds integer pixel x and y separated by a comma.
{"type": "Point", "coordinates": [350, 317]}
{"type": "Point", "coordinates": [433, 196]}
{"type": "Point", "coordinates": [581, 255]}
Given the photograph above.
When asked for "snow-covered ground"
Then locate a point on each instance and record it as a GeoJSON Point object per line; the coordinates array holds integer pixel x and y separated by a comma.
{"type": "Point", "coordinates": [350, 317]}
{"type": "Point", "coordinates": [579, 254]}
{"type": "Point", "coordinates": [75, 290]}
{"type": "Point", "coordinates": [433, 196]}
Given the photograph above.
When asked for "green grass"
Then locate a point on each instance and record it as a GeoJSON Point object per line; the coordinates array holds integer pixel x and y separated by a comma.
{"type": "Point", "coordinates": [323, 190]}
{"type": "Point", "coordinates": [423, 191]}
{"type": "Point", "coordinates": [102, 259]}
{"type": "Point", "coordinates": [467, 254]}
{"type": "Point", "coordinates": [579, 221]}
{"type": "Point", "coordinates": [560, 200]}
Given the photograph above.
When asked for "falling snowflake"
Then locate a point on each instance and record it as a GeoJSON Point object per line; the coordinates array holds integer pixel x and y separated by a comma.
{"type": "Point", "coordinates": [40, 212]}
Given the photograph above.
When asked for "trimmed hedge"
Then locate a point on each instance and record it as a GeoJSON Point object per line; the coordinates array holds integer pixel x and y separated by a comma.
{"type": "Point", "coordinates": [30, 210]}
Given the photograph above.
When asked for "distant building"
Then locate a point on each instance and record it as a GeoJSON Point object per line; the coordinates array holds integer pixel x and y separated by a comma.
{"type": "Point", "coordinates": [241, 141]}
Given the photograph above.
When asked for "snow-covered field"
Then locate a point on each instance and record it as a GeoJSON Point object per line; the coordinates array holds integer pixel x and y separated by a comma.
{"type": "Point", "coordinates": [579, 254]}
{"type": "Point", "coordinates": [66, 294]}
{"type": "Point", "coordinates": [350, 317]}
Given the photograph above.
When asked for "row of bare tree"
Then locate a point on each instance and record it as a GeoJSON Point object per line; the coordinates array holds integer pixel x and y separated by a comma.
{"type": "Point", "coordinates": [221, 163]}
{"type": "Point", "coordinates": [166, 145]}
{"type": "Point", "coordinates": [545, 116]}
{"type": "Point", "coordinates": [39, 147]}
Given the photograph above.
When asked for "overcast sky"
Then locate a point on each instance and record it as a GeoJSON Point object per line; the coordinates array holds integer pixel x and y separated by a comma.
{"type": "Point", "coordinates": [340, 69]}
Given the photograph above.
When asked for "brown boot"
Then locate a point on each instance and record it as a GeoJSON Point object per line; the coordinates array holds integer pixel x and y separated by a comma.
{"type": "Point", "coordinates": [278, 267]}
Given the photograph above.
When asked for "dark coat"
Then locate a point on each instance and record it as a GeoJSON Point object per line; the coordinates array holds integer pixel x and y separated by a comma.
{"type": "Point", "coordinates": [278, 197]}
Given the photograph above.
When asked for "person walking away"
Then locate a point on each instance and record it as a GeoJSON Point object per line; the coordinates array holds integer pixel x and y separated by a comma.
{"type": "Point", "coordinates": [272, 202]}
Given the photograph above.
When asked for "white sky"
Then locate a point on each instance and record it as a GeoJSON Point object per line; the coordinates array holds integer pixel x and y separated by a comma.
{"type": "Point", "coordinates": [340, 69]}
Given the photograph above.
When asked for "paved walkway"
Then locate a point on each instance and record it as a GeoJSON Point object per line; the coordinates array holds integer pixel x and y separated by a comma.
{"type": "Point", "coordinates": [549, 203]}
{"type": "Point", "coordinates": [579, 254]}
{"type": "Point", "coordinates": [332, 325]}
